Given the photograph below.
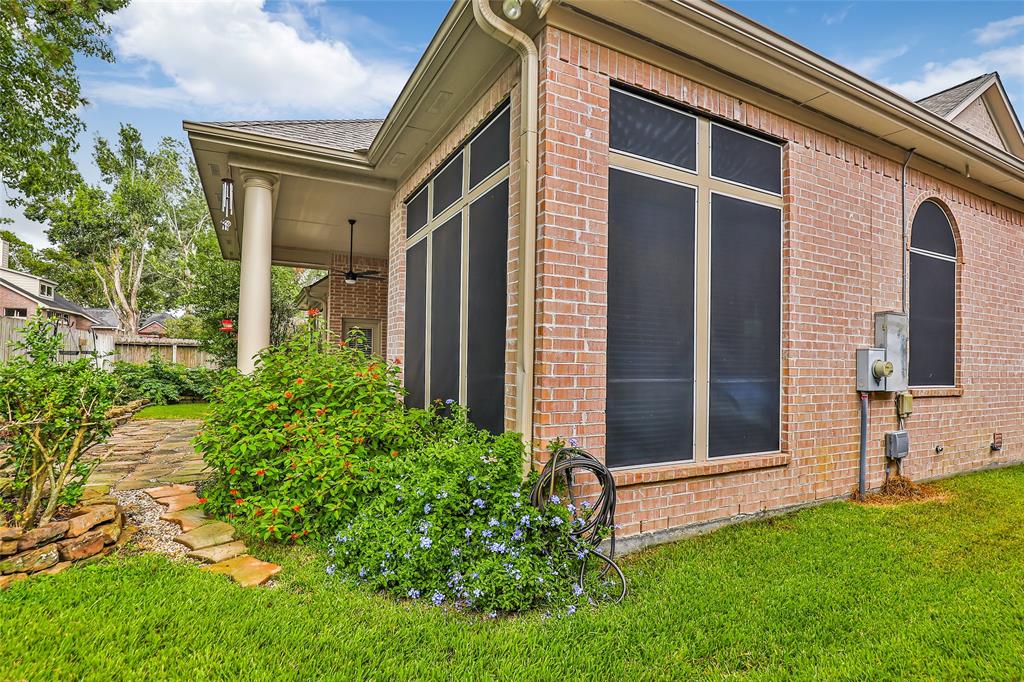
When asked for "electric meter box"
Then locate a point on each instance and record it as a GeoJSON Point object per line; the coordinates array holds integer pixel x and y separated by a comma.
{"type": "Point", "coordinates": [871, 370]}
{"type": "Point", "coordinates": [892, 334]}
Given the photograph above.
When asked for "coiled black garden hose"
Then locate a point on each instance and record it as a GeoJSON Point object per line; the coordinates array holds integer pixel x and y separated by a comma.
{"type": "Point", "coordinates": [563, 465]}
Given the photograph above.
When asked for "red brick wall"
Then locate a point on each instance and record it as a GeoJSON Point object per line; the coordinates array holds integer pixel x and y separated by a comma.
{"type": "Point", "coordinates": [841, 249]}
{"type": "Point", "coordinates": [10, 299]}
{"type": "Point", "coordinates": [366, 299]}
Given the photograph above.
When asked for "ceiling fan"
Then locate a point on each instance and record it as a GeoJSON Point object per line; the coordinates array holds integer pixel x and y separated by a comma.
{"type": "Point", "coordinates": [350, 275]}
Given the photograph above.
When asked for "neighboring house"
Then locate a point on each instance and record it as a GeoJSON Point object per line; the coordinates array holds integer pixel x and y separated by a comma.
{"type": "Point", "coordinates": [22, 294]}
{"type": "Point", "coordinates": [712, 213]}
{"type": "Point", "coordinates": [107, 319]}
{"type": "Point", "coordinates": [154, 325]}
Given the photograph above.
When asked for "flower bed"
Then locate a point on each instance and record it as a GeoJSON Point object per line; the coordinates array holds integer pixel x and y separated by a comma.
{"type": "Point", "coordinates": [316, 445]}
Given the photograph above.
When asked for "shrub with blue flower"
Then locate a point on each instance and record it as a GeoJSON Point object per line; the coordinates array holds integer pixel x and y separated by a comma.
{"type": "Point", "coordinates": [511, 558]}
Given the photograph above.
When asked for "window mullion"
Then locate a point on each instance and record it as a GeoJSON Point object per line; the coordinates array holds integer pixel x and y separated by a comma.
{"type": "Point", "coordinates": [701, 344]}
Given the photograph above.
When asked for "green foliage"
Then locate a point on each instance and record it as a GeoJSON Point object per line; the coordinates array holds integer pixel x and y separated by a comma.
{"type": "Point", "coordinates": [40, 95]}
{"type": "Point", "coordinates": [214, 297]}
{"type": "Point", "coordinates": [185, 327]}
{"type": "Point", "coordinates": [50, 415]}
{"type": "Point", "coordinates": [161, 382]}
{"type": "Point", "coordinates": [316, 441]}
{"type": "Point", "coordinates": [454, 526]}
{"type": "Point", "coordinates": [306, 438]}
{"type": "Point", "coordinates": [133, 227]}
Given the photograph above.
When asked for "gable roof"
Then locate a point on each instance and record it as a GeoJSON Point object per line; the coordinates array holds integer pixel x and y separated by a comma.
{"type": "Point", "coordinates": [158, 318]}
{"type": "Point", "coordinates": [343, 135]}
{"type": "Point", "coordinates": [59, 303]}
{"type": "Point", "coordinates": [988, 87]}
{"type": "Point", "coordinates": [105, 317]}
{"type": "Point", "coordinates": [946, 101]}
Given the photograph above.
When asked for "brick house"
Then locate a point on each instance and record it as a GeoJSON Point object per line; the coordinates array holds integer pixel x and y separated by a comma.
{"type": "Point", "coordinates": [716, 214]}
{"type": "Point", "coordinates": [22, 294]}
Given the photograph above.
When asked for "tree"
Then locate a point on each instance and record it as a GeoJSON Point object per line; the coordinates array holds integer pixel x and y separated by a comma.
{"type": "Point", "coordinates": [214, 297]}
{"type": "Point", "coordinates": [39, 90]}
{"type": "Point", "coordinates": [122, 227]}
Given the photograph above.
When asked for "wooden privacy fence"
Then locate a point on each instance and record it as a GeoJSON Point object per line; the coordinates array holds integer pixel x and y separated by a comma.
{"type": "Point", "coordinates": [138, 349]}
{"type": "Point", "coordinates": [133, 349]}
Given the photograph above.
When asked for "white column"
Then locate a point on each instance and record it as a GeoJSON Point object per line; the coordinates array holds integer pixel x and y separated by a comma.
{"type": "Point", "coordinates": [254, 289]}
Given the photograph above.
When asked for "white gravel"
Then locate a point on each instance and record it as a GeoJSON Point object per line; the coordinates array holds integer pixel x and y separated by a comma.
{"type": "Point", "coordinates": [154, 535]}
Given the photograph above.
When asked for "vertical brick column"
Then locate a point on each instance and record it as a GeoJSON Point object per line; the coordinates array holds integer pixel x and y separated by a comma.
{"type": "Point", "coordinates": [572, 272]}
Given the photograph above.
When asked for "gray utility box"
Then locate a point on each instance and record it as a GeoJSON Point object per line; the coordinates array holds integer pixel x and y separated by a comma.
{"type": "Point", "coordinates": [872, 369]}
{"type": "Point", "coordinates": [897, 444]}
{"type": "Point", "coordinates": [892, 333]}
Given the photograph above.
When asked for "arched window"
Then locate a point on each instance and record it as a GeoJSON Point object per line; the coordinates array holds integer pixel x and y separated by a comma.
{"type": "Point", "coordinates": [932, 298]}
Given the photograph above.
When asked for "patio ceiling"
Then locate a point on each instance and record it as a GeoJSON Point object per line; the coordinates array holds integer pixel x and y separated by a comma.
{"type": "Point", "coordinates": [316, 192]}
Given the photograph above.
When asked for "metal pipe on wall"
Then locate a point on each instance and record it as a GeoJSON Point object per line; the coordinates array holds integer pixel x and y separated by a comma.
{"type": "Point", "coordinates": [904, 254]}
{"type": "Point", "coordinates": [862, 484]}
{"type": "Point", "coordinates": [506, 33]}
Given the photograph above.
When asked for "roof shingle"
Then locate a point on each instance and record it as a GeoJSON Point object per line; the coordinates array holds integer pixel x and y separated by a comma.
{"type": "Point", "coordinates": [347, 135]}
{"type": "Point", "coordinates": [944, 102]}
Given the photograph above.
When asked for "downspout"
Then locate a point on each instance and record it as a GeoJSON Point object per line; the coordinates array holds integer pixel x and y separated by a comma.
{"type": "Point", "coordinates": [506, 33]}
{"type": "Point", "coordinates": [903, 202]}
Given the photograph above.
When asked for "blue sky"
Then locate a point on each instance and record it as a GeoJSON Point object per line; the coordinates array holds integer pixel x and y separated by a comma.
{"type": "Point", "coordinates": [253, 59]}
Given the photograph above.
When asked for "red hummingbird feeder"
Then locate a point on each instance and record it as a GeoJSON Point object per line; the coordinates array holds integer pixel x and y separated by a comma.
{"type": "Point", "coordinates": [227, 326]}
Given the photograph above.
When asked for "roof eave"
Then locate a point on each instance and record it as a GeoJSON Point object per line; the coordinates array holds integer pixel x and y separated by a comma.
{"type": "Point", "coordinates": [267, 143]}
{"type": "Point", "coordinates": [438, 49]}
{"type": "Point", "coordinates": [723, 24]}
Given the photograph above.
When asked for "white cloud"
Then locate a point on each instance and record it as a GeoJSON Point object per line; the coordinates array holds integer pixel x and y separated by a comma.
{"type": "Point", "coordinates": [998, 31]}
{"type": "Point", "coordinates": [237, 59]}
{"type": "Point", "coordinates": [1008, 61]}
{"type": "Point", "coordinates": [869, 64]}
{"type": "Point", "coordinates": [838, 17]}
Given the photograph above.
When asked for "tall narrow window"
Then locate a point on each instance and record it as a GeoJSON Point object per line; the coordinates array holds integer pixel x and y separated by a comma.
{"type": "Point", "coordinates": [932, 298]}
{"type": "Point", "coordinates": [456, 264]}
{"type": "Point", "coordinates": [415, 323]}
{"type": "Point", "coordinates": [746, 282]}
{"type": "Point", "coordinates": [488, 315]}
{"type": "Point", "coordinates": [649, 410]}
{"type": "Point", "coordinates": [445, 296]}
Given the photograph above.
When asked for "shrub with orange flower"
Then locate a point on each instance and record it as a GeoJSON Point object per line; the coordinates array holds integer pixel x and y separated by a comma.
{"type": "Point", "coordinates": [343, 431]}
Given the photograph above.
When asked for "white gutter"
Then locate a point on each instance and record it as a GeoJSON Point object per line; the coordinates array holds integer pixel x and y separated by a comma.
{"type": "Point", "coordinates": [506, 33]}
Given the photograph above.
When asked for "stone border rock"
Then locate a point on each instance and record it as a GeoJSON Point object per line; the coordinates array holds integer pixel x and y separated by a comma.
{"type": "Point", "coordinates": [210, 541]}
{"type": "Point", "coordinates": [90, 531]}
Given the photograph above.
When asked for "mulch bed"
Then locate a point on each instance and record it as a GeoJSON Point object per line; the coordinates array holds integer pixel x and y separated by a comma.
{"type": "Point", "coordinates": [901, 490]}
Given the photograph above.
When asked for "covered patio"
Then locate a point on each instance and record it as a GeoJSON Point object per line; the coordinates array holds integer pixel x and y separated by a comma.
{"type": "Point", "coordinates": [283, 193]}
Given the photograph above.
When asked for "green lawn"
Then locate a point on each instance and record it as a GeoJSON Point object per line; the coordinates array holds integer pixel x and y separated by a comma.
{"type": "Point", "coordinates": [927, 591]}
{"type": "Point", "coordinates": [180, 411]}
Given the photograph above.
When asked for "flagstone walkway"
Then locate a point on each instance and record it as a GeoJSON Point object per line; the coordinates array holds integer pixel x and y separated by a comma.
{"type": "Point", "coordinates": [156, 456]}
